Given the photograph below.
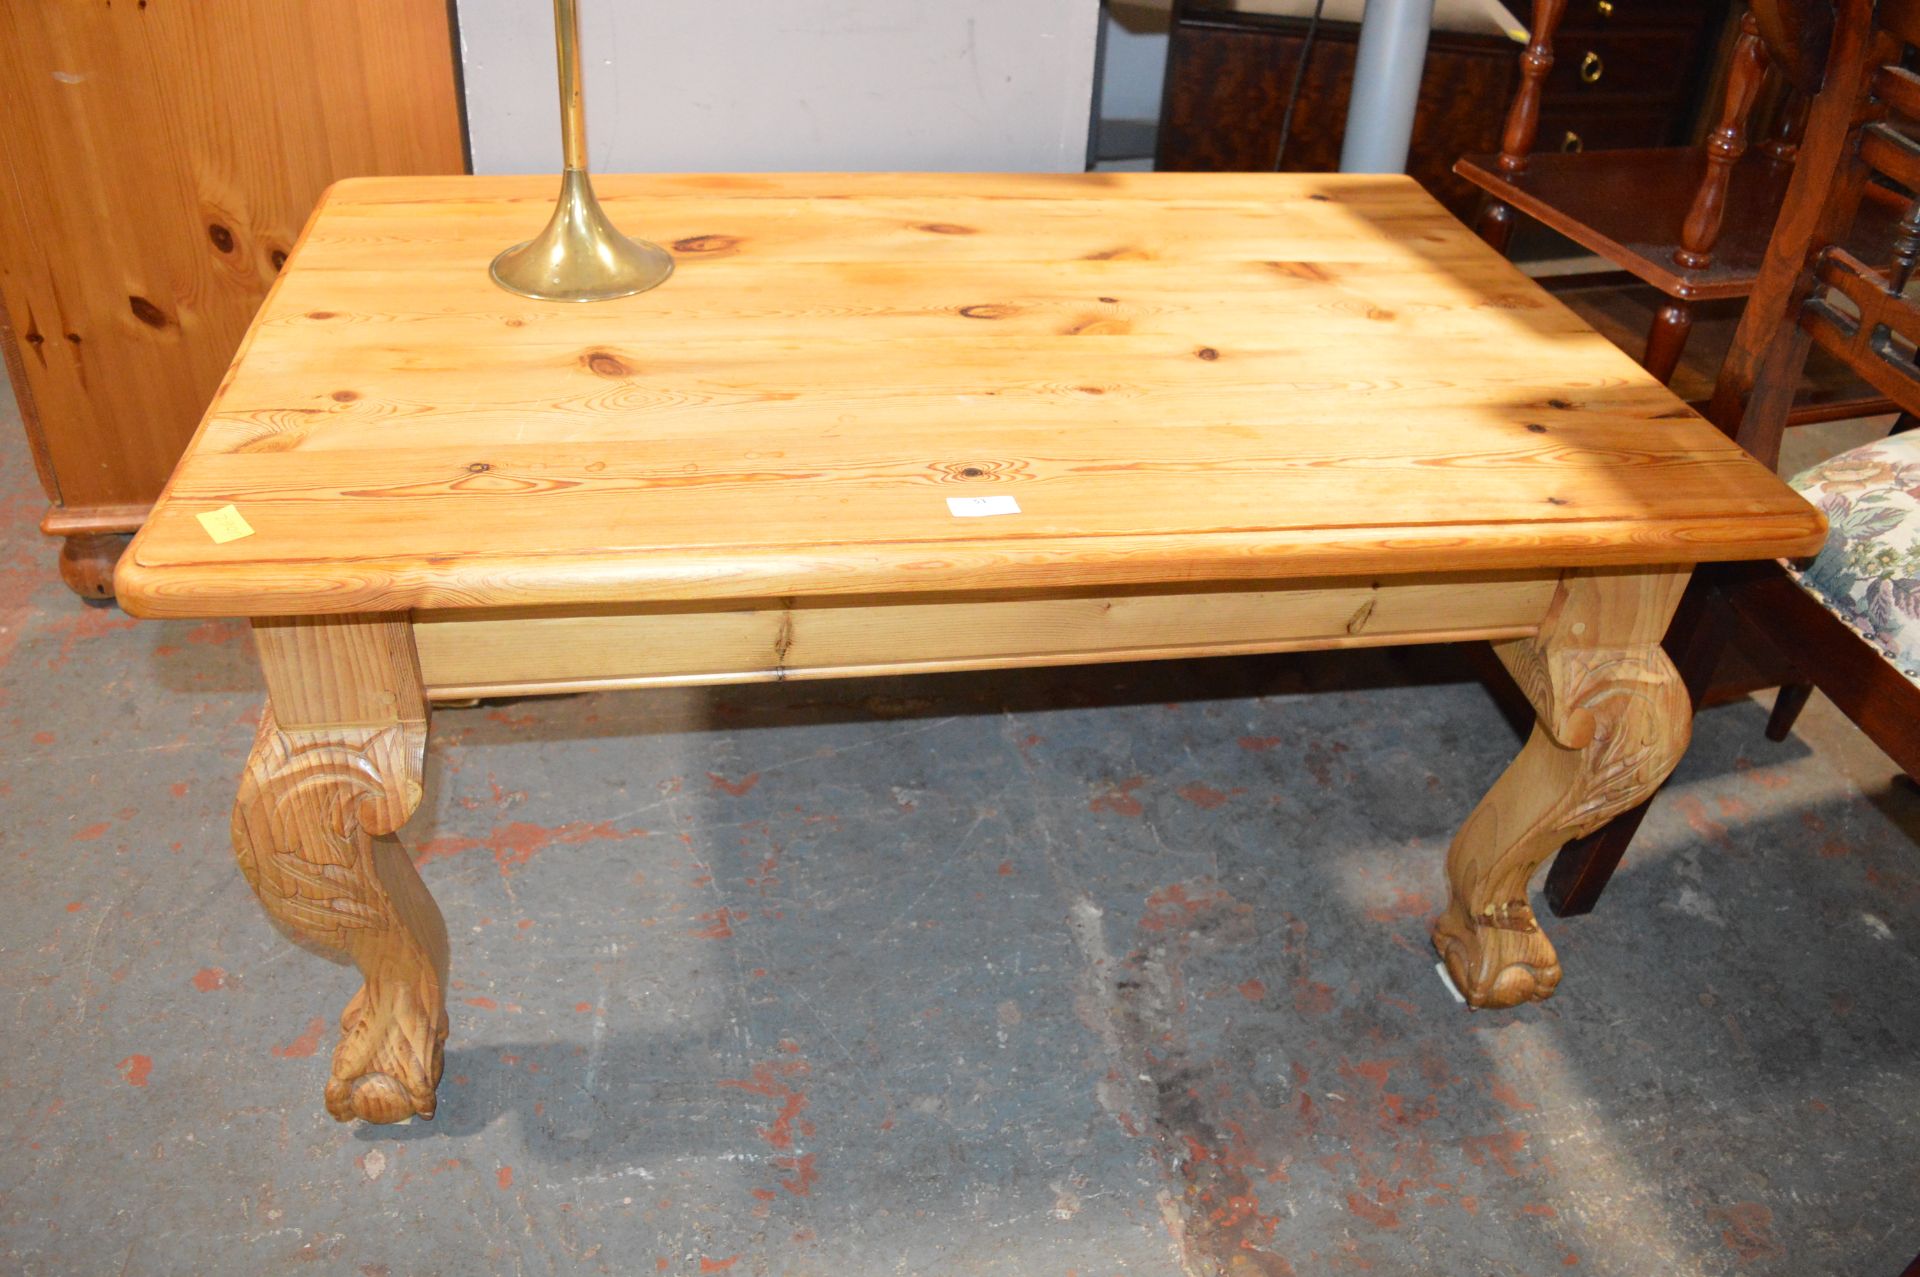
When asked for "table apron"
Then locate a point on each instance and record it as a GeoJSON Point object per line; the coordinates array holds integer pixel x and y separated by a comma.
{"type": "Point", "coordinates": [472, 653]}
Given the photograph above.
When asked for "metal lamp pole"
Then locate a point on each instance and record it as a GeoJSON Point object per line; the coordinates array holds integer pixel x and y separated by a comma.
{"type": "Point", "coordinates": [1386, 85]}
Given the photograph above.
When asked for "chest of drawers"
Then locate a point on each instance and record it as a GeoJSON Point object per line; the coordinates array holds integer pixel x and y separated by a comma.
{"type": "Point", "coordinates": [1627, 73]}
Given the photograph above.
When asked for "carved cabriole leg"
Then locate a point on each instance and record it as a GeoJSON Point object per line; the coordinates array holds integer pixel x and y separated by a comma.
{"type": "Point", "coordinates": [1613, 720]}
{"type": "Point", "coordinates": [335, 770]}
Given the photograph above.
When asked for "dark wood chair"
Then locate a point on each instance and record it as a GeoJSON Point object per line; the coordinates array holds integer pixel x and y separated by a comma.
{"type": "Point", "coordinates": [1850, 621]}
{"type": "Point", "coordinates": [1691, 222]}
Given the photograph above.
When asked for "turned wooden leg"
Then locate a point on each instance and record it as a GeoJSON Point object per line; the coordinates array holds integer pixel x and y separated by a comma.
{"type": "Point", "coordinates": [1613, 720]}
{"type": "Point", "coordinates": [87, 560]}
{"type": "Point", "coordinates": [335, 770]}
{"type": "Point", "coordinates": [1667, 339]}
{"type": "Point", "coordinates": [1725, 145]}
{"type": "Point", "coordinates": [1495, 224]}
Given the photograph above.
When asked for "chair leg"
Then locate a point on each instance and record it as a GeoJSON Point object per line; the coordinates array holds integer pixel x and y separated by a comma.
{"type": "Point", "coordinates": [1667, 339]}
{"type": "Point", "coordinates": [1786, 708]}
{"type": "Point", "coordinates": [1695, 641]}
{"type": "Point", "coordinates": [1585, 866]}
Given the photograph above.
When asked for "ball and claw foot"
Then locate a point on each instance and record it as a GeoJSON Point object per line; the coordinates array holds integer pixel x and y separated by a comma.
{"type": "Point", "coordinates": [1499, 959]}
{"type": "Point", "coordinates": [388, 1063]}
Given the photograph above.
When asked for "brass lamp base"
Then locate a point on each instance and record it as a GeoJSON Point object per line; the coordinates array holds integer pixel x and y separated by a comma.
{"type": "Point", "coordinates": [580, 257]}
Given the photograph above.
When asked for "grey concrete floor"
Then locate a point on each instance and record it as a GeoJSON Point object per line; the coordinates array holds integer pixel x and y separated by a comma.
{"type": "Point", "coordinates": [1108, 970]}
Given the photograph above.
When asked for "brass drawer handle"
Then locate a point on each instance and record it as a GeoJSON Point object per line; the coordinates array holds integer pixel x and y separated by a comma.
{"type": "Point", "coordinates": [1592, 68]}
{"type": "Point", "coordinates": [1572, 143]}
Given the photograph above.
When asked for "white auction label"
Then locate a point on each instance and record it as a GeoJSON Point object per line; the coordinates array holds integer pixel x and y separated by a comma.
{"type": "Point", "coordinates": [974, 507]}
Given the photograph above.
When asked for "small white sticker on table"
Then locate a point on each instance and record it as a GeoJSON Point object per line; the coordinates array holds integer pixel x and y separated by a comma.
{"type": "Point", "coordinates": [975, 507]}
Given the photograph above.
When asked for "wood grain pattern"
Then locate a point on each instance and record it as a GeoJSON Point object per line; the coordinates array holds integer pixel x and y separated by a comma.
{"type": "Point", "coordinates": [322, 790]}
{"type": "Point", "coordinates": [481, 653]}
{"type": "Point", "coordinates": [160, 160]}
{"type": "Point", "coordinates": [1180, 377]}
{"type": "Point", "coordinates": [1613, 721]}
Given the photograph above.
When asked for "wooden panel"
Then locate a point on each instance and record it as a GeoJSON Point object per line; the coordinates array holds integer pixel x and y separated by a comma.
{"type": "Point", "coordinates": [159, 160]}
{"type": "Point", "coordinates": [1228, 76]}
{"type": "Point", "coordinates": [340, 670]}
{"type": "Point", "coordinates": [1618, 15]}
{"type": "Point", "coordinates": [1617, 65]}
{"type": "Point", "coordinates": [1179, 377]}
{"type": "Point", "coordinates": [465, 654]}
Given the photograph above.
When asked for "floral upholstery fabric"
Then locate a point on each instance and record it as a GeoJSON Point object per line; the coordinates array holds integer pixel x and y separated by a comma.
{"type": "Point", "coordinates": [1868, 573]}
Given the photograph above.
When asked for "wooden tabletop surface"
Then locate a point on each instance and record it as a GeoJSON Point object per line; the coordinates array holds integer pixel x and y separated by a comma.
{"type": "Point", "coordinates": [1176, 377]}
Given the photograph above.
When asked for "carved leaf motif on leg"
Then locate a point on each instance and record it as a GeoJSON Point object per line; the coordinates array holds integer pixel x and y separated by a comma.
{"type": "Point", "coordinates": [1613, 722]}
{"type": "Point", "coordinates": [309, 830]}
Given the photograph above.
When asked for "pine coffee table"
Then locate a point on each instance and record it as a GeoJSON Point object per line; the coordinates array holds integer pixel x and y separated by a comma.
{"type": "Point", "coordinates": [895, 423]}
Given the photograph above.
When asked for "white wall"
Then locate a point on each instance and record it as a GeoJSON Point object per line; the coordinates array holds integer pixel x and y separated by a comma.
{"type": "Point", "coordinates": [767, 85]}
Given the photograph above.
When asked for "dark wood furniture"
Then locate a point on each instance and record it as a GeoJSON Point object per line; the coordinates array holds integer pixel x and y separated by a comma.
{"type": "Point", "coordinates": [160, 161]}
{"type": "Point", "coordinates": [1860, 126]}
{"type": "Point", "coordinates": [1690, 221]}
{"type": "Point", "coordinates": [1229, 72]}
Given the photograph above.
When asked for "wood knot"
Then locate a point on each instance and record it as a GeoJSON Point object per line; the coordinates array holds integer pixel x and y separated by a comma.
{"type": "Point", "coordinates": [345, 396]}
{"type": "Point", "coordinates": [1111, 301]}
{"type": "Point", "coordinates": [1559, 403]}
{"type": "Point", "coordinates": [980, 469]}
{"type": "Point", "coordinates": [1558, 501]}
{"type": "Point", "coordinates": [945, 228]}
{"type": "Point", "coordinates": [1207, 353]}
{"type": "Point", "coordinates": [144, 311]}
{"type": "Point", "coordinates": [222, 237]}
{"type": "Point", "coordinates": [278, 257]}
{"type": "Point", "coordinates": [1091, 390]}
{"type": "Point", "coordinates": [606, 364]}
{"type": "Point", "coordinates": [1318, 198]}
{"type": "Point", "coordinates": [1534, 427]}
{"type": "Point", "coordinates": [478, 467]}
{"type": "Point", "coordinates": [989, 310]}
{"type": "Point", "coordinates": [707, 244]}
{"type": "Point", "coordinates": [319, 314]}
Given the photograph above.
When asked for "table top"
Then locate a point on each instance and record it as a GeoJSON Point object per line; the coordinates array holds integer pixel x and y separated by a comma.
{"type": "Point", "coordinates": [1175, 377]}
